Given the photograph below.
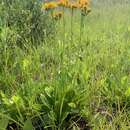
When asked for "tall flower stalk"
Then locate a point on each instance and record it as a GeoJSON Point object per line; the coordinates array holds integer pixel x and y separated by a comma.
{"type": "Point", "coordinates": [72, 14]}
{"type": "Point", "coordinates": [63, 24]}
{"type": "Point", "coordinates": [81, 26]}
{"type": "Point", "coordinates": [82, 5]}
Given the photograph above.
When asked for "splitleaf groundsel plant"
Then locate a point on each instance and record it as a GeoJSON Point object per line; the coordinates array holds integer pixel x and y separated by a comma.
{"type": "Point", "coordinates": [82, 5]}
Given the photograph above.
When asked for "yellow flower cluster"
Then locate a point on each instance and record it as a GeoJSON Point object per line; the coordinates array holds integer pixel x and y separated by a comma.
{"type": "Point", "coordinates": [63, 3]}
{"type": "Point", "coordinates": [66, 3]}
{"type": "Point", "coordinates": [83, 5]}
{"type": "Point", "coordinates": [49, 5]}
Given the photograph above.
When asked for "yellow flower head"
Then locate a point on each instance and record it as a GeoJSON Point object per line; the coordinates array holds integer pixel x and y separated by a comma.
{"type": "Point", "coordinates": [49, 5]}
{"type": "Point", "coordinates": [63, 3]}
{"type": "Point", "coordinates": [73, 5]}
{"type": "Point", "coordinates": [84, 3]}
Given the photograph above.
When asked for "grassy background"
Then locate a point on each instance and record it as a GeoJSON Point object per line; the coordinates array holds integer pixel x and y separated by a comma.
{"type": "Point", "coordinates": [55, 84]}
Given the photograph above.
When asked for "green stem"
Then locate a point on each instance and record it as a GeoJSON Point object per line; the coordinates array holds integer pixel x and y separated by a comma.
{"type": "Point", "coordinates": [63, 24]}
{"type": "Point", "coordinates": [72, 12]}
{"type": "Point", "coordinates": [81, 26]}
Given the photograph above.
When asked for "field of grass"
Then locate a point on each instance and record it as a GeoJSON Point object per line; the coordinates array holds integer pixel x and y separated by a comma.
{"type": "Point", "coordinates": [60, 80]}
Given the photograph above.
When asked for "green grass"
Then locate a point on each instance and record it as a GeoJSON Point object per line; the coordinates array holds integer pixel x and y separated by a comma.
{"type": "Point", "coordinates": [57, 83]}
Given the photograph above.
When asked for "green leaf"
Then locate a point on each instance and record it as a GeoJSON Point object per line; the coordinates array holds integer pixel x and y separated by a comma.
{"type": "Point", "coordinates": [127, 93]}
{"type": "Point", "coordinates": [48, 91]}
{"type": "Point", "coordinates": [3, 123]}
{"type": "Point", "coordinates": [72, 105]}
{"type": "Point", "coordinates": [124, 80]}
{"type": "Point", "coordinates": [5, 100]}
{"type": "Point", "coordinates": [28, 125]}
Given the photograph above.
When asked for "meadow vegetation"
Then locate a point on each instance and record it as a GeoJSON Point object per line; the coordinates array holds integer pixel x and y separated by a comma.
{"type": "Point", "coordinates": [64, 68]}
